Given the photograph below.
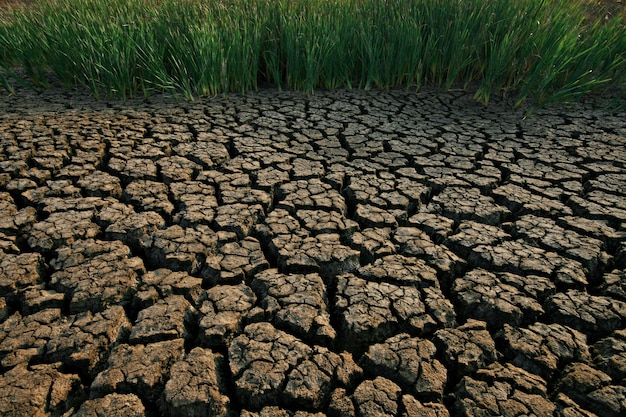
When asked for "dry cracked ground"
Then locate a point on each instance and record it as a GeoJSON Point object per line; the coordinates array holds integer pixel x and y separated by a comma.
{"type": "Point", "coordinates": [341, 254]}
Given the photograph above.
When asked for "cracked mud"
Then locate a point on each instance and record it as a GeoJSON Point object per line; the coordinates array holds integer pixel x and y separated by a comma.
{"type": "Point", "coordinates": [342, 253]}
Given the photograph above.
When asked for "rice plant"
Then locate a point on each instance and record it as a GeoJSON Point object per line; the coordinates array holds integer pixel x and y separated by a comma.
{"type": "Point", "coordinates": [537, 51]}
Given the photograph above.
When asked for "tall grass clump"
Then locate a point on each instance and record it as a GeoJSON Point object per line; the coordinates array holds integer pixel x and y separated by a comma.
{"type": "Point", "coordinates": [315, 44]}
{"type": "Point", "coordinates": [5, 63]}
{"type": "Point", "coordinates": [537, 51]}
{"type": "Point", "coordinates": [390, 44]}
{"type": "Point", "coordinates": [106, 46]}
{"type": "Point", "coordinates": [569, 59]}
{"type": "Point", "coordinates": [210, 48]}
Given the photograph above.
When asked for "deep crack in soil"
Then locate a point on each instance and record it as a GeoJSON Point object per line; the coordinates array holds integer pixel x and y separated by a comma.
{"type": "Point", "coordinates": [345, 253]}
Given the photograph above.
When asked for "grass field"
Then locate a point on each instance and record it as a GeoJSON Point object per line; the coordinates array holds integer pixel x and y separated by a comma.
{"type": "Point", "coordinates": [537, 51]}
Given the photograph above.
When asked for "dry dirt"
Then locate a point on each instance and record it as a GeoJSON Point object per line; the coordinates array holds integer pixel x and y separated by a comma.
{"type": "Point", "coordinates": [345, 253]}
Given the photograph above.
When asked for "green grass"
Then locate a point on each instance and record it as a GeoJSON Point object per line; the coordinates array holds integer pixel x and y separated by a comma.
{"type": "Point", "coordinates": [537, 51]}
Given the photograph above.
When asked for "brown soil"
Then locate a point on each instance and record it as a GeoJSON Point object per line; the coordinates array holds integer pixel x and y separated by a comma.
{"type": "Point", "coordinates": [605, 9]}
{"type": "Point", "coordinates": [13, 3]}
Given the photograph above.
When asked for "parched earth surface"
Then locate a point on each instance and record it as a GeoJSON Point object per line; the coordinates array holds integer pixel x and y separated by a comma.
{"type": "Point", "coordinates": [340, 254]}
